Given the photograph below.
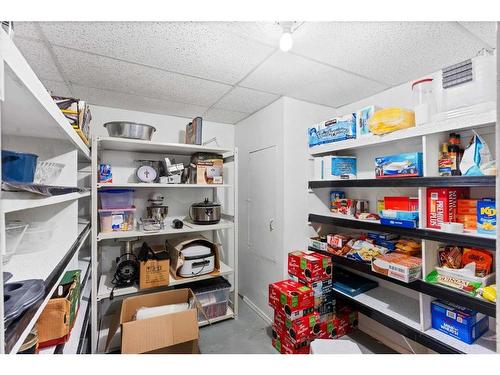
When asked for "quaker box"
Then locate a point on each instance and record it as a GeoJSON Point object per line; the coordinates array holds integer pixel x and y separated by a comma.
{"type": "Point", "coordinates": [309, 265]}
{"type": "Point", "coordinates": [168, 333]}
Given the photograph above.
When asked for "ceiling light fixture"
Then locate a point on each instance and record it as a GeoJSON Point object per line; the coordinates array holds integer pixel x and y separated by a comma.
{"type": "Point", "coordinates": [286, 40]}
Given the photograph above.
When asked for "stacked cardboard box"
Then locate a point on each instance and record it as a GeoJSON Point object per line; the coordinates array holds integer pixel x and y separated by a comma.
{"type": "Point", "coordinates": [304, 306]}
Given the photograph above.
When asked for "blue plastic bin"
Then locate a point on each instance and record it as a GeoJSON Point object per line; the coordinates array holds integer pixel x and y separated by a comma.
{"type": "Point", "coordinates": [116, 198]}
{"type": "Point", "coordinates": [18, 166]}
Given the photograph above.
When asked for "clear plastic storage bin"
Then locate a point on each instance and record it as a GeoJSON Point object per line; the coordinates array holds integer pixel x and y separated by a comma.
{"type": "Point", "coordinates": [213, 296]}
{"type": "Point", "coordinates": [116, 198]}
{"type": "Point", "coordinates": [37, 237]}
{"type": "Point", "coordinates": [117, 220]}
{"type": "Point", "coordinates": [14, 232]}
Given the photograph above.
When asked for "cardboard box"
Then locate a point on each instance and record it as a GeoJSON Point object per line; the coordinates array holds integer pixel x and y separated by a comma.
{"type": "Point", "coordinates": [340, 167]}
{"type": "Point", "coordinates": [206, 169]}
{"type": "Point", "coordinates": [362, 117]}
{"type": "Point", "coordinates": [469, 221]}
{"type": "Point", "coordinates": [175, 246]}
{"type": "Point", "coordinates": [340, 325]}
{"type": "Point", "coordinates": [295, 299]}
{"type": "Point", "coordinates": [334, 130]}
{"type": "Point", "coordinates": [318, 243]}
{"type": "Point", "coordinates": [408, 164]}
{"type": "Point", "coordinates": [486, 216]}
{"type": "Point", "coordinates": [401, 203]}
{"type": "Point", "coordinates": [298, 330]}
{"type": "Point", "coordinates": [459, 322]}
{"type": "Point", "coordinates": [442, 205]}
{"type": "Point", "coordinates": [284, 346]}
{"type": "Point", "coordinates": [309, 266]}
{"type": "Point", "coordinates": [324, 301]}
{"type": "Point", "coordinates": [155, 272]}
{"type": "Point", "coordinates": [168, 333]}
{"type": "Point", "coordinates": [398, 266]}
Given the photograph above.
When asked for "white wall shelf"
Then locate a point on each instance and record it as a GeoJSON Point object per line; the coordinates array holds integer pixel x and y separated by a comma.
{"type": "Point", "coordinates": [18, 201]}
{"type": "Point", "coordinates": [138, 185]}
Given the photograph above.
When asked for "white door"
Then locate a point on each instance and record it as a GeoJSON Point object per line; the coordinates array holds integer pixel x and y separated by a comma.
{"type": "Point", "coordinates": [263, 229]}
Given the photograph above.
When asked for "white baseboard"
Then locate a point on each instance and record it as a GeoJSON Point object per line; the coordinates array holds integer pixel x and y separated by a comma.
{"type": "Point", "coordinates": [257, 310]}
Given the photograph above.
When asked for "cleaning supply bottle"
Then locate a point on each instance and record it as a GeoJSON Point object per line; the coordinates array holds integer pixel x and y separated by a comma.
{"type": "Point", "coordinates": [454, 154]}
{"type": "Point", "coordinates": [444, 161]}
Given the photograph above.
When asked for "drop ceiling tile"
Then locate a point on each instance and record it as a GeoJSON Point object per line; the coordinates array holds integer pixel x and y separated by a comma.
{"type": "Point", "coordinates": [195, 48]}
{"type": "Point", "coordinates": [136, 103]}
{"type": "Point", "coordinates": [105, 73]}
{"type": "Point", "coordinates": [295, 76]}
{"type": "Point", "coordinates": [25, 30]}
{"type": "Point", "coordinates": [388, 52]}
{"type": "Point", "coordinates": [39, 58]}
{"type": "Point", "coordinates": [268, 33]}
{"type": "Point", "coordinates": [56, 88]}
{"type": "Point", "coordinates": [486, 31]}
{"type": "Point", "coordinates": [224, 116]}
{"type": "Point", "coordinates": [245, 100]}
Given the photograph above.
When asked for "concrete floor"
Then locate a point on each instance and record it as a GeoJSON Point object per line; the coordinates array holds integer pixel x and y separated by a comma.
{"type": "Point", "coordinates": [250, 334]}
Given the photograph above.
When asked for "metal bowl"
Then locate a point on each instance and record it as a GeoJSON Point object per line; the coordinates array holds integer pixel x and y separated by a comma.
{"type": "Point", "coordinates": [124, 129]}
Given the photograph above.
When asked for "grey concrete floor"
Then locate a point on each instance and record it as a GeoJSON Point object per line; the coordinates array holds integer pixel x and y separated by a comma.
{"type": "Point", "coordinates": [250, 334]}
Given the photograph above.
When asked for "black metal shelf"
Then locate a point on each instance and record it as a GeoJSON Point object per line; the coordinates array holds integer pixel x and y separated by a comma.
{"type": "Point", "coordinates": [16, 328]}
{"type": "Point", "coordinates": [426, 234]}
{"type": "Point", "coordinates": [454, 181]}
{"type": "Point", "coordinates": [399, 327]}
{"type": "Point", "coordinates": [421, 286]}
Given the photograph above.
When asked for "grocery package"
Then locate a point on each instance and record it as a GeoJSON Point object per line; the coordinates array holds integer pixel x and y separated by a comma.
{"type": "Point", "coordinates": [408, 164]}
{"type": "Point", "coordinates": [298, 330]}
{"type": "Point", "coordinates": [489, 292]}
{"type": "Point", "coordinates": [477, 160]}
{"type": "Point", "coordinates": [324, 302]}
{"type": "Point", "coordinates": [206, 169]}
{"type": "Point", "coordinates": [351, 284]}
{"type": "Point", "coordinates": [309, 266]}
{"type": "Point", "coordinates": [445, 162]}
{"type": "Point", "coordinates": [398, 266]}
{"type": "Point", "coordinates": [399, 215]}
{"type": "Point", "coordinates": [105, 174]}
{"type": "Point", "coordinates": [339, 168]}
{"type": "Point", "coordinates": [401, 204]}
{"type": "Point", "coordinates": [486, 216]}
{"type": "Point", "coordinates": [459, 322]}
{"type": "Point", "coordinates": [318, 243]}
{"type": "Point", "coordinates": [399, 223]}
{"type": "Point", "coordinates": [334, 130]}
{"type": "Point", "coordinates": [467, 213]}
{"type": "Point", "coordinates": [442, 205]}
{"type": "Point", "coordinates": [362, 117]}
{"type": "Point", "coordinates": [482, 258]}
{"type": "Point", "coordinates": [334, 197]}
{"type": "Point", "coordinates": [388, 120]}
{"type": "Point", "coordinates": [365, 251]}
{"type": "Point", "coordinates": [408, 247]}
{"type": "Point", "coordinates": [295, 299]}
{"type": "Point", "coordinates": [336, 241]}
{"type": "Point", "coordinates": [450, 257]}
{"type": "Point", "coordinates": [382, 236]}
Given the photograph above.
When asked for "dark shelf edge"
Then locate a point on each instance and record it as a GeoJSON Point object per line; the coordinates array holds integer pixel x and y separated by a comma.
{"type": "Point", "coordinates": [15, 329]}
{"type": "Point", "coordinates": [426, 234]}
{"type": "Point", "coordinates": [399, 327]}
{"type": "Point", "coordinates": [421, 286]}
{"type": "Point", "coordinates": [455, 181]}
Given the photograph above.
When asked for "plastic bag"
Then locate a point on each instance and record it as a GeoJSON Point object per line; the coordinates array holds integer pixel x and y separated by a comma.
{"type": "Point", "coordinates": [477, 158]}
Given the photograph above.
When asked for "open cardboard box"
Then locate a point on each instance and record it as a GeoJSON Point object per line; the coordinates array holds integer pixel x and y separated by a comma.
{"type": "Point", "coordinates": [175, 333]}
{"type": "Point", "coordinates": [175, 246]}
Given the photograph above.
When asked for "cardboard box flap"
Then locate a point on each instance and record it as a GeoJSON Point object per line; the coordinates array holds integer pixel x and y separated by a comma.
{"type": "Point", "coordinates": [162, 331]}
{"type": "Point", "coordinates": [113, 328]}
{"type": "Point", "coordinates": [130, 305]}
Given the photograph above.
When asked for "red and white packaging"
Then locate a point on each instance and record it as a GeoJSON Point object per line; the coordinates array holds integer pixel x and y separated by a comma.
{"type": "Point", "coordinates": [309, 265]}
{"type": "Point", "coordinates": [285, 346]}
{"type": "Point", "coordinates": [341, 324]}
{"type": "Point", "coordinates": [294, 298]}
{"type": "Point", "coordinates": [298, 330]}
{"type": "Point", "coordinates": [442, 205]}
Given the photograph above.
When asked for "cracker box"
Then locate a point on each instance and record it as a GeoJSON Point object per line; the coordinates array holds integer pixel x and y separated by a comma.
{"type": "Point", "coordinates": [298, 330]}
{"type": "Point", "coordinates": [442, 205]}
{"type": "Point", "coordinates": [486, 216]}
{"type": "Point", "coordinates": [285, 346]}
{"type": "Point", "coordinates": [398, 266]}
{"type": "Point", "coordinates": [459, 322]}
{"type": "Point", "coordinates": [295, 299]}
{"type": "Point", "coordinates": [309, 266]}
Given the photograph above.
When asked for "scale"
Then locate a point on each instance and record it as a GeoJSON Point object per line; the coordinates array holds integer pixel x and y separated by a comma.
{"type": "Point", "coordinates": [148, 171]}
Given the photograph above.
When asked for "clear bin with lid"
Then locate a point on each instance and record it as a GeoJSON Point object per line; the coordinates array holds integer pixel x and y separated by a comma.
{"type": "Point", "coordinates": [424, 100]}
{"type": "Point", "coordinates": [117, 220]}
{"type": "Point", "coordinates": [37, 237]}
{"type": "Point", "coordinates": [14, 232]}
{"type": "Point", "coordinates": [116, 198]}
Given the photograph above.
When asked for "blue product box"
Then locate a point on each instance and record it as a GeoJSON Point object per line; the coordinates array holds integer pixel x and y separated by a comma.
{"type": "Point", "coordinates": [343, 168]}
{"type": "Point", "coordinates": [382, 236]}
{"type": "Point", "coordinates": [388, 244]}
{"type": "Point", "coordinates": [408, 164]}
{"type": "Point", "coordinates": [362, 117]}
{"type": "Point", "coordinates": [486, 216]}
{"type": "Point", "coordinates": [399, 223]}
{"type": "Point", "coordinates": [335, 130]}
{"type": "Point", "coordinates": [352, 284]}
{"type": "Point", "coordinates": [459, 322]}
{"type": "Point", "coordinates": [399, 215]}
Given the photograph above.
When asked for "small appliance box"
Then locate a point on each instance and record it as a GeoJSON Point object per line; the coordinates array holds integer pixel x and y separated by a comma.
{"type": "Point", "coordinates": [175, 333]}
{"type": "Point", "coordinates": [295, 299]}
{"type": "Point", "coordinates": [206, 169]}
{"type": "Point", "coordinates": [284, 346]}
{"type": "Point", "coordinates": [408, 164]}
{"type": "Point", "coordinates": [362, 117]}
{"type": "Point", "coordinates": [334, 130]}
{"type": "Point", "coordinates": [486, 216]}
{"type": "Point", "coordinates": [175, 246]}
{"type": "Point", "coordinates": [398, 266]}
{"type": "Point", "coordinates": [297, 330]}
{"type": "Point", "coordinates": [457, 321]}
{"type": "Point", "coordinates": [442, 205]}
{"type": "Point", "coordinates": [155, 271]}
{"type": "Point", "coordinates": [340, 168]}
{"type": "Point", "coordinates": [309, 266]}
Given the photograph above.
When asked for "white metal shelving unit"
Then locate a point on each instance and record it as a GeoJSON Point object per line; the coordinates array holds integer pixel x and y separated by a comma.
{"type": "Point", "coordinates": [120, 153]}
{"type": "Point", "coordinates": [30, 121]}
{"type": "Point", "coordinates": [404, 310]}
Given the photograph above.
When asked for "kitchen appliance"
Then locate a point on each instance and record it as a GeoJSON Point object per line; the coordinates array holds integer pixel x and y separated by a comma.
{"type": "Point", "coordinates": [125, 129]}
{"type": "Point", "coordinates": [127, 268]}
{"type": "Point", "coordinates": [197, 260]}
{"type": "Point", "coordinates": [157, 210]}
{"type": "Point", "coordinates": [148, 171]}
{"type": "Point", "coordinates": [205, 212]}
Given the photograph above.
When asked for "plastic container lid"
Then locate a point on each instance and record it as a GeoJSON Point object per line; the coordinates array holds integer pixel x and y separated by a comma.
{"type": "Point", "coordinates": [116, 191]}
{"type": "Point", "coordinates": [104, 210]}
{"type": "Point", "coordinates": [206, 203]}
{"type": "Point", "coordinates": [196, 251]}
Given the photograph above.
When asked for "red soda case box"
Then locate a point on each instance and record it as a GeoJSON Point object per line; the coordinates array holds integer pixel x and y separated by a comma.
{"type": "Point", "coordinates": [324, 301]}
{"type": "Point", "coordinates": [298, 330]}
{"type": "Point", "coordinates": [285, 346]}
{"type": "Point", "coordinates": [340, 325]}
{"type": "Point", "coordinates": [294, 298]}
{"type": "Point", "coordinates": [442, 205]}
{"type": "Point", "coordinates": [309, 265]}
